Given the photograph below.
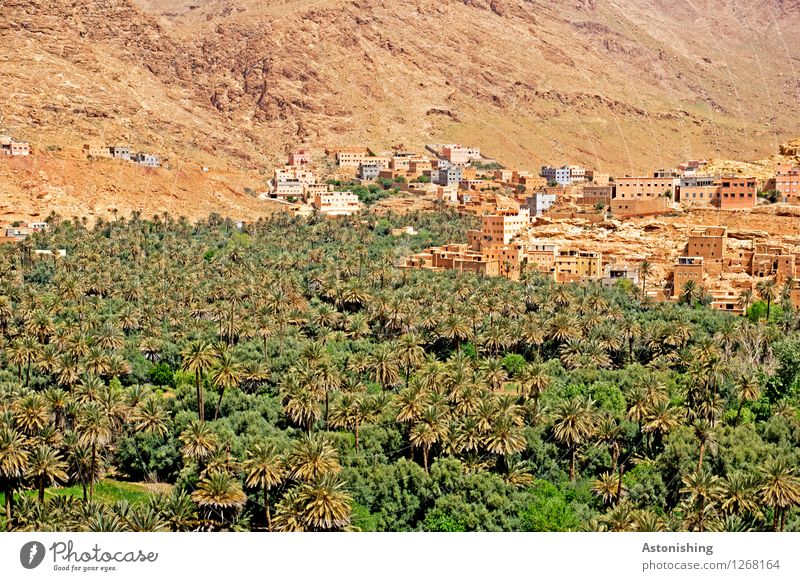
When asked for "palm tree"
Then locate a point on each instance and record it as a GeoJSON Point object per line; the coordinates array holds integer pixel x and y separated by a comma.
{"type": "Point", "coordinates": [150, 417]}
{"type": "Point", "coordinates": [423, 436]}
{"type": "Point", "coordinates": [573, 426]}
{"type": "Point", "coordinates": [455, 330]}
{"type": "Point", "coordinates": [45, 467]}
{"type": "Point", "coordinates": [505, 439]}
{"type": "Point", "coordinates": [534, 381]}
{"type": "Point", "coordinates": [265, 328]}
{"type": "Point", "coordinates": [325, 506]}
{"type": "Point", "coordinates": [780, 489]}
{"type": "Point", "coordinates": [703, 490]}
{"type": "Point", "coordinates": [264, 469]}
{"type": "Point", "coordinates": [79, 460]}
{"type": "Point", "coordinates": [95, 430]}
{"type": "Point", "coordinates": [13, 464]}
{"type": "Point", "coordinates": [300, 403]}
{"type": "Point", "coordinates": [706, 437]}
{"type": "Point", "coordinates": [220, 494]}
{"type": "Point", "coordinates": [746, 299]}
{"type": "Point", "coordinates": [493, 373]}
{"type": "Point", "coordinates": [198, 358]}
{"type": "Point", "coordinates": [352, 411]}
{"type": "Point", "coordinates": [410, 403]}
{"type": "Point", "coordinates": [748, 389]}
{"type": "Point", "coordinates": [31, 414]}
{"type": "Point", "coordinates": [609, 433]}
{"type": "Point", "coordinates": [645, 270]}
{"type": "Point", "coordinates": [661, 420]}
{"type": "Point", "coordinates": [607, 487]}
{"type": "Point", "coordinates": [383, 363]}
{"type": "Point", "coordinates": [690, 293]}
{"type": "Point", "coordinates": [410, 353]}
{"type": "Point", "coordinates": [199, 441]}
{"type": "Point", "coordinates": [226, 374]}
{"type": "Point", "coordinates": [738, 494]}
{"type": "Point", "coordinates": [312, 457]}
{"type": "Point", "coordinates": [767, 290]}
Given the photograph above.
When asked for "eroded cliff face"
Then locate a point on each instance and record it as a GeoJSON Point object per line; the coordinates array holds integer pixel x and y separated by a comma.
{"type": "Point", "coordinates": [621, 88]}
{"type": "Point", "coordinates": [618, 87]}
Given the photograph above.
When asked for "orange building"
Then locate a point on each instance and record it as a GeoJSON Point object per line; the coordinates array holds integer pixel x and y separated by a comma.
{"type": "Point", "coordinates": [499, 228]}
{"type": "Point", "coordinates": [454, 257]}
{"type": "Point", "coordinates": [598, 178]}
{"type": "Point", "coordinates": [737, 192]}
{"type": "Point", "coordinates": [533, 183]}
{"type": "Point", "coordinates": [419, 166]}
{"type": "Point", "coordinates": [770, 260]}
{"type": "Point", "coordinates": [509, 257]}
{"type": "Point", "coordinates": [541, 255]}
{"type": "Point", "coordinates": [787, 182]}
{"type": "Point", "coordinates": [726, 300]}
{"type": "Point", "coordinates": [503, 175]}
{"type": "Point", "coordinates": [726, 193]}
{"type": "Point", "coordinates": [709, 242]}
{"type": "Point", "coordinates": [644, 187]}
{"type": "Point", "coordinates": [633, 207]}
{"type": "Point", "coordinates": [687, 268]}
{"type": "Point", "coordinates": [594, 195]}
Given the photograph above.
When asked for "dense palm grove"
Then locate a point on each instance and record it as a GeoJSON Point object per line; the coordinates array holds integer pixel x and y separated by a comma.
{"type": "Point", "coordinates": [289, 378]}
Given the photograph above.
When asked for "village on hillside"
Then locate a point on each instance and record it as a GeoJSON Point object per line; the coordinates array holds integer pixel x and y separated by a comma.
{"type": "Point", "coordinates": [517, 209]}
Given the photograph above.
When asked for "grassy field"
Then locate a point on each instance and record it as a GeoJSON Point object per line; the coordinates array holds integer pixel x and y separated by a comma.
{"type": "Point", "coordinates": [106, 491]}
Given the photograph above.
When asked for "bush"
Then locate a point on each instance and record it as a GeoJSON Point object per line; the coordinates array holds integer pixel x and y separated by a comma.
{"type": "Point", "coordinates": [162, 374]}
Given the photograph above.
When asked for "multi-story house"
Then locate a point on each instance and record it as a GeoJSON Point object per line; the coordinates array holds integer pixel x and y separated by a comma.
{"type": "Point", "coordinates": [787, 182]}
{"type": "Point", "coordinates": [95, 150]}
{"type": "Point", "coordinates": [539, 202]}
{"type": "Point", "coordinates": [448, 176]}
{"type": "Point", "coordinates": [299, 157]}
{"type": "Point", "coordinates": [337, 203]}
{"type": "Point", "coordinates": [559, 175]}
{"type": "Point", "coordinates": [368, 172]}
{"type": "Point", "coordinates": [460, 155]}
{"type": "Point", "coordinates": [577, 265]}
{"type": "Point", "coordinates": [13, 148]}
{"type": "Point", "coordinates": [687, 268]}
{"type": "Point", "coordinates": [499, 228]}
{"type": "Point", "coordinates": [120, 152]}
{"type": "Point", "coordinates": [644, 187]}
{"type": "Point", "coordinates": [147, 160]}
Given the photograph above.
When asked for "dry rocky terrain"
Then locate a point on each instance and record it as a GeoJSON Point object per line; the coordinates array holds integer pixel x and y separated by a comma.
{"type": "Point", "coordinates": [234, 84]}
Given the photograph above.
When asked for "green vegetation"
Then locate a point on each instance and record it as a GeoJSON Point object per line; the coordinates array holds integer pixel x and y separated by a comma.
{"type": "Point", "coordinates": [106, 491]}
{"type": "Point", "coordinates": [290, 377]}
{"type": "Point", "coordinates": [372, 193]}
{"type": "Point", "coordinates": [772, 195]}
{"type": "Point", "coordinates": [486, 165]}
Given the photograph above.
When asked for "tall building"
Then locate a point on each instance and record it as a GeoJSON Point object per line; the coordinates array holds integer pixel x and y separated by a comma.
{"type": "Point", "coordinates": [560, 175]}
{"type": "Point", "coordinates": [787, 182]}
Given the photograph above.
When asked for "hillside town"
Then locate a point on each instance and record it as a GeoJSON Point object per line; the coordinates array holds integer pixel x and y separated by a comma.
{"type": "Point", "coordinates": [513, 205]}
{"type": "Point", "coordinates": [518, 209]}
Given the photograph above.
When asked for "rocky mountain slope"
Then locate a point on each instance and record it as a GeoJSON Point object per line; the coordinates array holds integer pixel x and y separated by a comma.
{"type": "Point", "coordinates": [621, 86]}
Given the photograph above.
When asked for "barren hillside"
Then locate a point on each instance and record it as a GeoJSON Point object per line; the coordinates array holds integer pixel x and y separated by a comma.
{"type": "Point", "coordinates": [621, 86]}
